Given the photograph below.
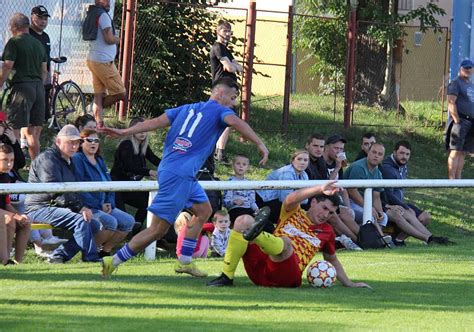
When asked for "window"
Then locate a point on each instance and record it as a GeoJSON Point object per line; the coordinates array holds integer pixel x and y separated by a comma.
{"type": "Point", "coordinates": [405, 4]}
{"type": "Point", "coordinates": [418, 38]}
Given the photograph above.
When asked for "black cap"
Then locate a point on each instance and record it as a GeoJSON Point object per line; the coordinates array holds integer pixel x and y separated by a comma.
{"type": "Point", "coordinates": [335, 138]}
{"type": "Point", "coordinates": [40, 10]}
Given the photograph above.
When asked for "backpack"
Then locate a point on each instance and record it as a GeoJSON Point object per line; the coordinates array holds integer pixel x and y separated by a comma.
{"type": "Point", "coordinates": [369, 237]}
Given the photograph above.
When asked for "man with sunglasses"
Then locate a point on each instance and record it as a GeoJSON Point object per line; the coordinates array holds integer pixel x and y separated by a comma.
{"type": "Point", "coordinates": [460, 130]}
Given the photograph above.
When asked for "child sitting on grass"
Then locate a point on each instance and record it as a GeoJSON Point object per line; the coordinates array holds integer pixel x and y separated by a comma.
{"type": "Point", "coordinates": [221, 233]}
{"type": "Point", "coordinates": [202, 246]}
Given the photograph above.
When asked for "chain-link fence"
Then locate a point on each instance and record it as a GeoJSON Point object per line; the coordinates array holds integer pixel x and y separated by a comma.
{"type": "Point", "coordinates": [390, 75]}
{"type": "Point", "coordinates": [171, 64]}
{"type": "Point", "coordinates": [64, 29]}
{"type": "Point", "coordinates": [316, 87]}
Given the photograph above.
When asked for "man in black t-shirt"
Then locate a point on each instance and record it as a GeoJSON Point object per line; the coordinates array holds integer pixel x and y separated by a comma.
{"type": "Point", "coordinates": [460, 131]}
{"type": "Point", "coordinates": [39, 22]}
{"type": "Point", "coordinates": [223, 64]}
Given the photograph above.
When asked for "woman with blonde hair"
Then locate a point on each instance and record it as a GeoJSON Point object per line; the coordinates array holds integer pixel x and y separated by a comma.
{"type": "Point", "coordinates": [130, 164]}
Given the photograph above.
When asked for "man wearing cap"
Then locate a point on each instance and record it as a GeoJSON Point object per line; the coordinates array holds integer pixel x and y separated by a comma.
{"type": "Point", "coordinates": [62, 210]}
{"type": "Point", "coordinates": [98, 28]}
{"type": "Point", "coordinates": [27, 57]}
{"type": "Point", "coordinates": [39, 22]}
{"type": "Point", "coordinates": [460, 131]}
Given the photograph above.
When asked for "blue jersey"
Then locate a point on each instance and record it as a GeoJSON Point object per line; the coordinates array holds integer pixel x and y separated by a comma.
{"type": "Point", "coordinates": [194, 131]}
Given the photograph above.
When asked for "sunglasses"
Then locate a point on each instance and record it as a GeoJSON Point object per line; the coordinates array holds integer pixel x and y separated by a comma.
{"type": "Point", "coordinates": [92, 140]}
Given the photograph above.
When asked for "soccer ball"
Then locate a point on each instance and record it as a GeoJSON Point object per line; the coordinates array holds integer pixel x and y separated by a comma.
{"type": "Point", "coordinates": [321, 274]}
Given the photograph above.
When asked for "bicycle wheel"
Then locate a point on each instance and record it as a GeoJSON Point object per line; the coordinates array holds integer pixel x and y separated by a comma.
{"type": "Point", "coordinates": [68, 103]}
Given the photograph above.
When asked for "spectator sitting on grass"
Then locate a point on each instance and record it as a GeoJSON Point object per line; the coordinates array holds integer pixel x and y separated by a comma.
{"type": "Point", "coordinates": [393, 167]}
{"type": "Point", "coordinates": [17, 225]}
{"type": "Point", "coordinates": [203, 243]}
{"type": "Point", "coordinates": [130, 164]}
{"type": "Point", "coordinates": [273, 198]}
{"type": "Point", "coordinates": [85, 121]}
{"type": "Point", "coordinates": [90, 166]}
{"type": "Point", "coordinates": [220, 235]}
{"type": "Point", "coordinates": [239, 202]}
{"type": "Point", "coordinates": [343, 220]}
{"type": "Point", "coordinates": [367, 140]}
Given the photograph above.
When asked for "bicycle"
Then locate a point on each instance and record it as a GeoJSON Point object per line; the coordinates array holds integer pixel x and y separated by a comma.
{"type": "Point", "coordinates": [67, 99]}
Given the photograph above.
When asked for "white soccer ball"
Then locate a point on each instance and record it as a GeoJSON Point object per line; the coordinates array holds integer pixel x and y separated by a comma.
{"type": "Point", "coordinates": [321, 274]}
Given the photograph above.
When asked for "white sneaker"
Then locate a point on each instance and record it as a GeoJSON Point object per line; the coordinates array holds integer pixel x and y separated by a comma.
{"type": "Point", "coordinates": [348, 243]}
{"type": "Point", "coordinates": [23, 143]}
{"type": "Point", "coordinates": [52, 243]}
{"type": "Point", "coordinates": [42, 253]}
{"type": "Point", "coordinates": [54, 240]}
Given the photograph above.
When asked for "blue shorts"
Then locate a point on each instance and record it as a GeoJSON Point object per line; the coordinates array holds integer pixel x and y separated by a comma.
{"type": "Point", "coordinates": [175, 194]}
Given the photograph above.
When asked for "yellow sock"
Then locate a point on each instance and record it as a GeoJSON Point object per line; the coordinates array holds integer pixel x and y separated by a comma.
{"type": "Point", "coordinates": [270, 244]}
{"type": "Point", "coordinates": [236, 248]}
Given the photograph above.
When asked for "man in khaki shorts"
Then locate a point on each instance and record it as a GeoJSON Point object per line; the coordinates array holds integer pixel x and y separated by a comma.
{"type": "Point", "coordinates": [26, 56]}
{"type": "Point", "coordinates": [98, 28]}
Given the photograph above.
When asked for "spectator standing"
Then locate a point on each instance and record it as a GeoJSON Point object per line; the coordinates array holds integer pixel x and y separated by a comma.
{"type": "Point", "coordinates": [66, 210]}
{"type": "Point", "coordinates": [98, 28]}
{"type": "Point", "coordinates": [460, 131]}
{"type": "Point", "coordinates": [39, 22]}
{"type": "Point", "coordinates": [223, 64]}
{"type": "Point", "coordinates": [26, 56]}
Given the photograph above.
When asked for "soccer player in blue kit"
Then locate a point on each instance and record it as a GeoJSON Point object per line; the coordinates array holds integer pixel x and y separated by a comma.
{"type": "Point", "coordinates": [194, 130]}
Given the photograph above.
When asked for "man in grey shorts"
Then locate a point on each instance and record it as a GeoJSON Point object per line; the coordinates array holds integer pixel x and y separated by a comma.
{"type": "Point", "coordinates": [27, 57]}
{"type": "Point", "coordinates": [460, 132]}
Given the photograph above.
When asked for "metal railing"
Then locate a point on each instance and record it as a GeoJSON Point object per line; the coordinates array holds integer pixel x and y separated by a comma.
{"type": "Point", "coordinates": [152, 187]}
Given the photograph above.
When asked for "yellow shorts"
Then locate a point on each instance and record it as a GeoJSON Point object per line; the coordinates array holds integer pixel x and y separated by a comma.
{"type": "Point", "coordinates": [106, 78]}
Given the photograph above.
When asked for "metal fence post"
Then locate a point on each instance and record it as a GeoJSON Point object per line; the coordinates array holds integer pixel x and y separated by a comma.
{"type": "Point", "coordinates": [350, 63]}
{"type": "Point", "coordinates": [367, 216]}
{"type": "Point", "coordinates": [288, 70]}
{"type": "Point", "coordinates": [127, 65]}
{"type": "Point", "coordinates": [248, 60]}
{"type": "Point", "coordinates": [150, 251]}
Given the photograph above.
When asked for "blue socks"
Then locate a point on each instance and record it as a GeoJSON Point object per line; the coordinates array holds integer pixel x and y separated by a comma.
{"type": "Point", "coordinates": [123, 255]}
{"type": "Point", "coordinates": [187, 250]}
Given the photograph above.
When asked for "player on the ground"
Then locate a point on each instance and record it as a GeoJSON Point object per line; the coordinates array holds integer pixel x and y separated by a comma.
{"type": "Point", "coordinates": [194, 130]}
{"type": "Point", "coordinates": [279, 260]}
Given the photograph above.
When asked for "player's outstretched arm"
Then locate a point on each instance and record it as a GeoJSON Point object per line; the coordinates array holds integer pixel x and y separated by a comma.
{"type": "Point", "coordinates": [148, 125]}
{"type": "Point", "coordinates": [247, 132]}
{"type": "Point", "coordinates": [341, 274]}
{"type": "Point", "coordinates": [296, 197]}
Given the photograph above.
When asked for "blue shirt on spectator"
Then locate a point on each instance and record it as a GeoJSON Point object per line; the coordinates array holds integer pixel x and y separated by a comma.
{"type": "Point", "coordinates": [287, 172]}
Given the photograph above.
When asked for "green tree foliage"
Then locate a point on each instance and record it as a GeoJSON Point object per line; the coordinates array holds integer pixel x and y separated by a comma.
{"type": "Point", "coordinates": [324, 36]}
{"type": "Point", "coordinates": [171, 57]}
